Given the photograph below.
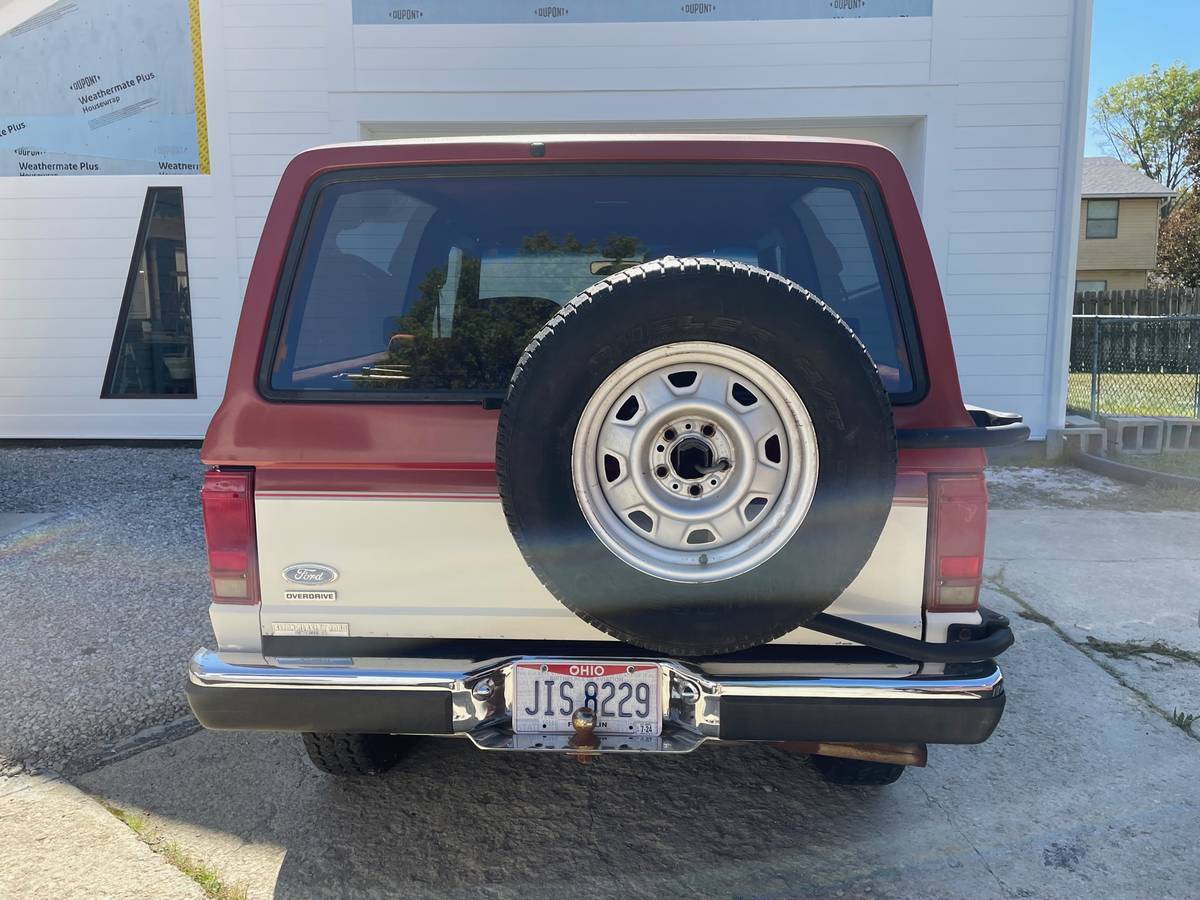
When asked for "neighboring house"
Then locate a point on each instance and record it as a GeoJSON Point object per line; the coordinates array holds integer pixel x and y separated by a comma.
{"type": "Point", "coordinates": [1118, 226]}
{"type": "Point", "coordinates": [121, 277]}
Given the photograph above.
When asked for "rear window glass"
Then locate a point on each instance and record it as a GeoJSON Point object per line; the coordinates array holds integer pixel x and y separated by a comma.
{"type": "Point", "coordinates": [433, 286]}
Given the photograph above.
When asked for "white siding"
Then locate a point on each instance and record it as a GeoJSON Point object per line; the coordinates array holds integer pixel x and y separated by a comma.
{"type": "Point", "coordinates": [1014, 71]}
{"type": "Point", "coordinates": [979, 102]}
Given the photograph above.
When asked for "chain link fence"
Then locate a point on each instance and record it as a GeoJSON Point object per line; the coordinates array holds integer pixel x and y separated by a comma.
{"type": "Point", "coordinates": [1134, 365]}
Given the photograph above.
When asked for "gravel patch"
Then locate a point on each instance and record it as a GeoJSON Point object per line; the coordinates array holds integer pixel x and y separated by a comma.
{"type": "Point", "coordinates": [104, 601]}
{"type": "Point", "coordinates": [1014, 487]}
{"type": "Point", "coordinates": [1064, 486]}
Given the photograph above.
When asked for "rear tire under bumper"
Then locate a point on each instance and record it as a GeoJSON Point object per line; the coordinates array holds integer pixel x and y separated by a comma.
{"type": "Point", "coordinates": [837, 706]}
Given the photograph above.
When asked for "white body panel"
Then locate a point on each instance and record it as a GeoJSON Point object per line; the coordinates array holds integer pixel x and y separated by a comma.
{"type": "Point", "coordinates": [448, 568]}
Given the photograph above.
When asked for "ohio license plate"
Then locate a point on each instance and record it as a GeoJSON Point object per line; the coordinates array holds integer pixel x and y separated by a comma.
{"type": "Point", "coordinates": [624, 696]}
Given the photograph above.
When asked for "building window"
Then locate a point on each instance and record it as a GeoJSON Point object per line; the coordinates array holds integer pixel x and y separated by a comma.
{"type": "Point", "coordinates": [152, 352]}
{"type": "Point", "coordinates": [1102, 218]}
{"type": "Point", "coordinates": [1090, 287]}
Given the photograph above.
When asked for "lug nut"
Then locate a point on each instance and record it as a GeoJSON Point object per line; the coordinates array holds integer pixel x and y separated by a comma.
{"type": "Point", "coordinates": [695, 490]}
{"type": "Point", "coordinates": [661, 471]}
{"type": "Point", "coordinates": [708, 431]}
{"type": "Point", "coordinates": [669, 434]}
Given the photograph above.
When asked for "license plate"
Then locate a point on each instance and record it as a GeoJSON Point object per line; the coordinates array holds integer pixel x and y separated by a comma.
{"type": "Point", "coordinates": [624, 696]}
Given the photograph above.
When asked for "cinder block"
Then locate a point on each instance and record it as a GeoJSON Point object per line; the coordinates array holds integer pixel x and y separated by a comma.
{"type": "Point", "coordinates": [1180, 434]}
{"type": "Point", "coordinates": [1134, 434]}
{"type": "Point", "coordinates": [1066, 441]}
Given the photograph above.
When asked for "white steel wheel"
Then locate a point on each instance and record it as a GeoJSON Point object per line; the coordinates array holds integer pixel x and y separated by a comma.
{"type": "Point", "coordinates": [695, 462]}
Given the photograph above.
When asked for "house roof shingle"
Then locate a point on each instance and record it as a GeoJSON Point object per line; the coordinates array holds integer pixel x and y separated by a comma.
{"type": "Point", "coordinates": [1104, 176]}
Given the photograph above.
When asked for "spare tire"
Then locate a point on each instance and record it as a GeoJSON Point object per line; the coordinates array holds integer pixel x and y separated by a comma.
{"type": "Point", "coordinates": [696, 456]}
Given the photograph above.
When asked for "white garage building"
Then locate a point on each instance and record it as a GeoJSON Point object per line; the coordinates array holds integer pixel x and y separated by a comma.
{"type": "Point", "coordinates": [164, 127]}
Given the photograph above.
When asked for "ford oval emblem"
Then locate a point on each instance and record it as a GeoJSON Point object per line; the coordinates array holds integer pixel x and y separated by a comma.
{"type": "Point", "coordinates": [310, 573]}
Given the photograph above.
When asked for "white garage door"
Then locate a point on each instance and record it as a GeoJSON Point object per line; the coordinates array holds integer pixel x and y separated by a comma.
{"type": "Point", "coordinates": [901, 136]}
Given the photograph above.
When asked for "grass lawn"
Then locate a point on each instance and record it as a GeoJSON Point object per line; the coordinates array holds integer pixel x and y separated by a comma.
{"type": "Point", "coordinates": [1139, 394]}
{"type": "Point", "coordinates": [1171, 463]}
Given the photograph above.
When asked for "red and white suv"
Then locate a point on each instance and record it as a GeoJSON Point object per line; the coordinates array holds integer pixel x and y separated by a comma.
{"type": "Point", "coordinates": [598, 444]}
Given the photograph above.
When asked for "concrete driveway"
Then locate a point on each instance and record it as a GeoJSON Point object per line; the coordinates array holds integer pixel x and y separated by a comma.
{"type": "Point", "coordinates": [1082, 790]}
{"type": "Point", "coordinates": [1087, 788]}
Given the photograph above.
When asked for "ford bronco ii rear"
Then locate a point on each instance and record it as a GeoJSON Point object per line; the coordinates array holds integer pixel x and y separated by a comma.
{"type": "Point", "coordinates": [597, 445]}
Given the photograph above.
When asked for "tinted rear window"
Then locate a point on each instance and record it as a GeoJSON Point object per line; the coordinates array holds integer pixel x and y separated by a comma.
{"type": "Point", "coordinates": [432, 286]}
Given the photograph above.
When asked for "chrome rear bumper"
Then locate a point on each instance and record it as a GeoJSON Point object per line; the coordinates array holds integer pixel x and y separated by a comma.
{"type": "Point", "coordinates": [843, 702]}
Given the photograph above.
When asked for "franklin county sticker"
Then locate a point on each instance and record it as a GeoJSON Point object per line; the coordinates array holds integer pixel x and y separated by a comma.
{"type": "Point", "coordinates": [310, 629]}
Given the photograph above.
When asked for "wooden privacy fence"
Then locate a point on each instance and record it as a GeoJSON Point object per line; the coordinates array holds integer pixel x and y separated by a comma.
{"type": "Point", "coordinates": [1148, 302]}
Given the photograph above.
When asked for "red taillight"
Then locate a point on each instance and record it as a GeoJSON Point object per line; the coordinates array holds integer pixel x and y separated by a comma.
{"type": "Point", "coordinates": [228, 503]}
{"type": "Point", "coordinates": [957, 530]}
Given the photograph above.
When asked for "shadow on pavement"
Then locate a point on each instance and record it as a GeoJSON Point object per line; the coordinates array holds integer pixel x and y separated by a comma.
{"type": "Point", "coordinates": [451, 819]}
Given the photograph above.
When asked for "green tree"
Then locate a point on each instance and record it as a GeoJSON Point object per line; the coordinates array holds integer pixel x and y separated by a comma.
{"type": "Point", "coordinates": [1179, 244]}
{"type": "Point", "coordinates": [542, 243]}
{"type": "Point", "coordinates": [1191, 158]}
{"type": "Point", "coordinates": [1179, 234]}
{"type": "Point", "coordinates": [1148, 121]}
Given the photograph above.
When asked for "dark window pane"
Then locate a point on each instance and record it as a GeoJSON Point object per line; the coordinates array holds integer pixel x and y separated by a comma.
{"type": "Point", "coordinates": [152, 350]}
{"type": "Point", "coordinates": [436, 284]}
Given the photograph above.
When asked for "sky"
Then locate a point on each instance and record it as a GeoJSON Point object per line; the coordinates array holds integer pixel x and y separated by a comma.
{"type": "Point", "coordinates": [1128, 36]}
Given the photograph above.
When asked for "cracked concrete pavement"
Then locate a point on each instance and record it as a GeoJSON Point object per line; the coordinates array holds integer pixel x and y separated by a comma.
{"type": "Point", "coordinates": [1086, 788]}
{"type": "Point", "coordinates": [1113, 583]}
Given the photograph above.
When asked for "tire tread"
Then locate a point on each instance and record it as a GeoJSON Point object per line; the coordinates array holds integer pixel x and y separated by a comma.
{"type": "Point", "coordinates": [354, 755]}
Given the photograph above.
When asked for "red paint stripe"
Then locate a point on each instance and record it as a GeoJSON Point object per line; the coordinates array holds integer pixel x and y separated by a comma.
{"type": "Point", "coordinates": [898, 500]}
{"type": "Point", "coordinates": [451, 484]}
{"type": "Point", "coordinates": [434, 480]}
{"type": "Point", "coordinates": [374, 495]}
